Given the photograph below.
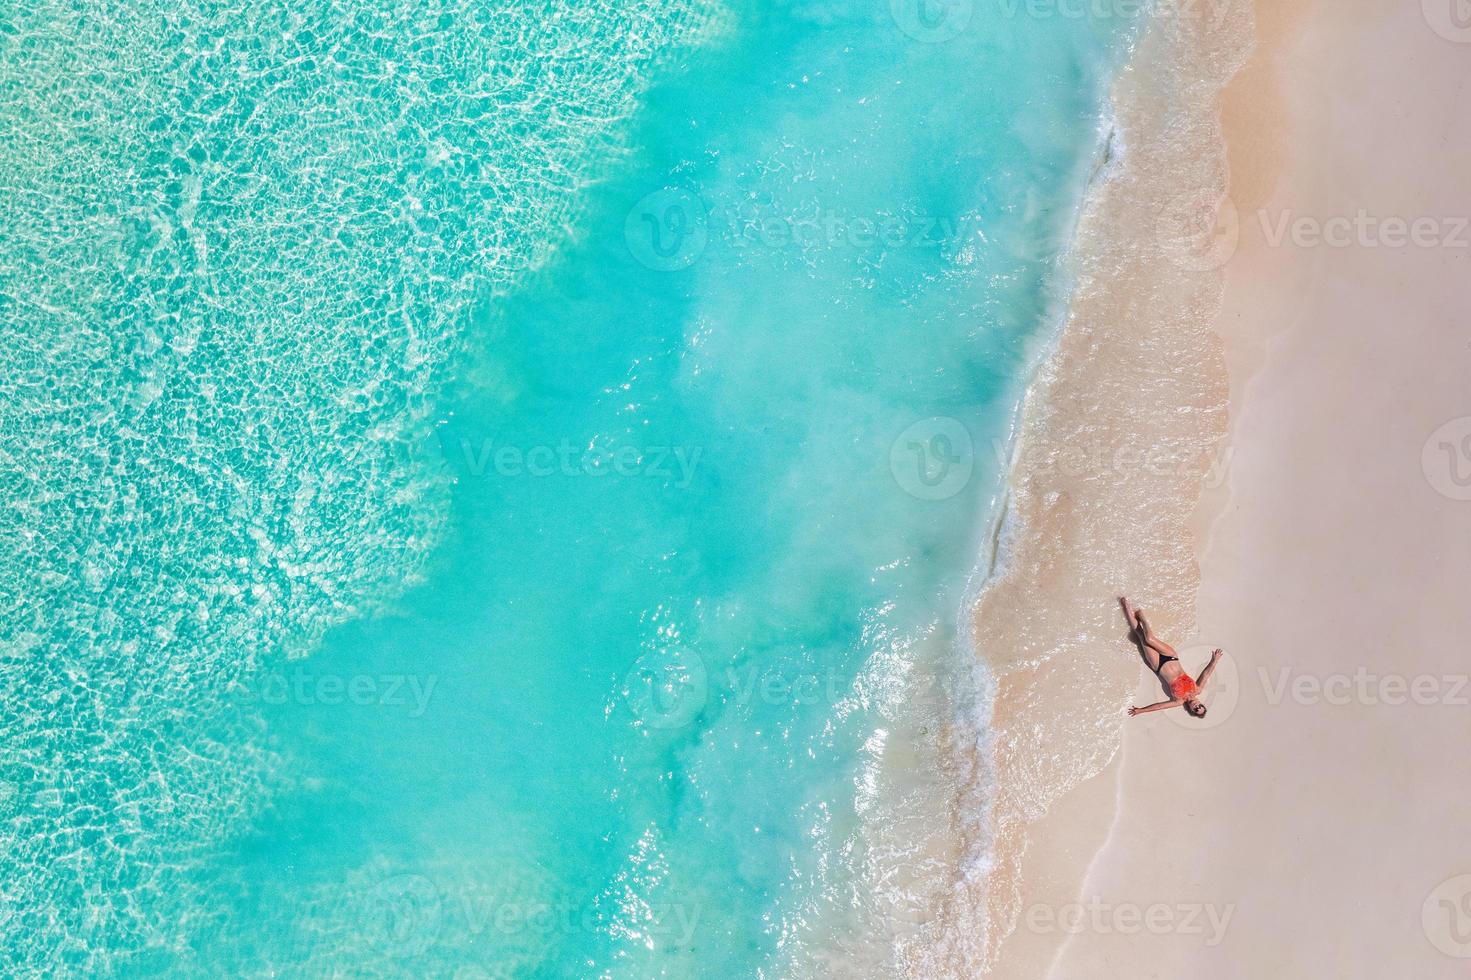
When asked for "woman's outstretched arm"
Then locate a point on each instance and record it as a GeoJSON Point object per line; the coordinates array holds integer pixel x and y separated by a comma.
{"type": "Point", "coordinates": [1210, 668]}
{"type": "Point", "coordinates": [1160, 706]}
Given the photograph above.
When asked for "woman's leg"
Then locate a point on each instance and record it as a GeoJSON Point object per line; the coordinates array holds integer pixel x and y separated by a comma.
{"type": "Point", "coordinates": [1140, 631]}
{"type": "Point", "coordinates": [1150, 640]}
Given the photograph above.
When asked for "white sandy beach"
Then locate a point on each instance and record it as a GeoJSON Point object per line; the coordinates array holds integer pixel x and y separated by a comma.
{"type": "Point", "coordinates": [1314, 825]}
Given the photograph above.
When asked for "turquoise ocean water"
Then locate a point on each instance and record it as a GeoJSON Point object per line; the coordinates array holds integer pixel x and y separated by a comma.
{"type": "Point", "coordinates": [491, 488]}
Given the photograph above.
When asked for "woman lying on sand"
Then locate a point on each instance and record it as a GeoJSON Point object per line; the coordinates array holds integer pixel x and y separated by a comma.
{"type": "Point", "coordinates": [1162, 659]}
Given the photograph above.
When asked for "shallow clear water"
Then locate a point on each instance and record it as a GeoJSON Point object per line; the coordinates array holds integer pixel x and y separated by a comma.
{"type": "Point", "coordinates": [499, 485]}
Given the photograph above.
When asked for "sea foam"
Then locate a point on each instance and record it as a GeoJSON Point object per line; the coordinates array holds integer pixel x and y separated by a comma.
{"type": "Point", "coordinates": [240, 245]}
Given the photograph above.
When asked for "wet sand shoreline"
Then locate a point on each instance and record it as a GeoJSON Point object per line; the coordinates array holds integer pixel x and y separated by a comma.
{"type": "Point", "coordinates": [1311, 826]}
